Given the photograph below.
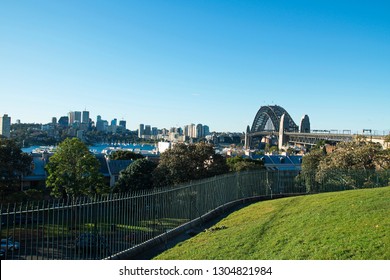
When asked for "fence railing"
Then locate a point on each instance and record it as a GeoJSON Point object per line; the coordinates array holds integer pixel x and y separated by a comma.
{"type": "Point", "coordinates": [100, 227]}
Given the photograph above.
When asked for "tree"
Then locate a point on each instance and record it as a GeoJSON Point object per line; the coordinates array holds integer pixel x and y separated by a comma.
{"type": "Point", "coordinates": [355, 155]}
{"type": "Point", "coordinates": [184, 163]}
{"type": "Point", "coordinates": [351, 163]}
{"type": "Point", "coordinates": [73, 171]}
{"type": "Point", "coordinates": [310, 164]}
{"type": "Point", "coordinates": [383, 159]}
{"type": "Point", "coordinates": [237, 164]}
{"type": "Point", "coordinates": [137, 176]}
{"type": "Point", "coordinates": [13, 164]}
{"type": "Point", "coordinates": [125, 155]}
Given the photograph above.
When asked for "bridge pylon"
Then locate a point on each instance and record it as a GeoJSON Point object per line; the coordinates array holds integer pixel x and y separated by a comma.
{"type": "Point", "coordinates": [248, 138]}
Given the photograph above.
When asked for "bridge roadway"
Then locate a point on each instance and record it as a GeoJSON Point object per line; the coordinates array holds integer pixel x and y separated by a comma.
{"type": "Point", "coordinates": [313, 138]}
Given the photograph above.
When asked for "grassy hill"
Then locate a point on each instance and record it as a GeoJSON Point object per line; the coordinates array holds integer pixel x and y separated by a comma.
{"type": "Point", "coordinates": [341, 225]}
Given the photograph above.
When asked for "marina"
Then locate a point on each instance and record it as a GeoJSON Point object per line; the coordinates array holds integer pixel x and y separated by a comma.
{"type": "Point", "coordinates": [107, 149]}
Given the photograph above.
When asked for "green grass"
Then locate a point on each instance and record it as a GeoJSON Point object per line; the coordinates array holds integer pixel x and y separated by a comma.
{"type": "Point", "coordinates": [330, 226]}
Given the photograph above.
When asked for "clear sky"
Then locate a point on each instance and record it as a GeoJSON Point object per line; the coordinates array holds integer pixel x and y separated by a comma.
{"type": "Point", "coordinates": [170, 63]}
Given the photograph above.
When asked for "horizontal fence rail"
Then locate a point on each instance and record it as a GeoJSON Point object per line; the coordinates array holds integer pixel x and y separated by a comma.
{"type": "Point", "coordinates": [101, 227]}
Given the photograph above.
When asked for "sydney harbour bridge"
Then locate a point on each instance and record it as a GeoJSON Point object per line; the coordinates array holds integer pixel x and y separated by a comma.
{"type": "Point", "coordinates": [274, 121]}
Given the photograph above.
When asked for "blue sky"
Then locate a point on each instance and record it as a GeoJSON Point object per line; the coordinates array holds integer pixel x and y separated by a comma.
{"type": "Point", "coordinates": [171, 63]}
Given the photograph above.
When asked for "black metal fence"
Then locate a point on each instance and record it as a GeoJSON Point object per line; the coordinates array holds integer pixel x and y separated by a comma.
{"type": "Point", "coordinates": [100, 227]}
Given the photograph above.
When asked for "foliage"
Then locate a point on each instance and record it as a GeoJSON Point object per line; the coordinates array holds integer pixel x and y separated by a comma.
{"type": "Point", "coordinates": [13, 164]}
{"type": "Point", "coordinates": [270, 148]}
{"type": "Point", "coordinates": [125, 155]}
{"type": "Point", "coordinates": [73, 171]}
{"type": "Point", "coordinates": [330, 226]}
{"type": "Point", "coordinates": [319, 145]}
{"type": "Point", "coordinates": [137, 176]}
{"type": "Point", "coordinates": [351, 164]}
{"type": "Point", "coordinates": [184, 162]}
{"type": "Point", "coordinates": [28, 134]}
{"type": "Point", "coordinates": [383, 159]}
{"type": "Point", "coordinates": [24, 196]}
{"type": "Point", "coordinates": [237, 164]}
{"type": "Point", "coordinates": [310, 164]}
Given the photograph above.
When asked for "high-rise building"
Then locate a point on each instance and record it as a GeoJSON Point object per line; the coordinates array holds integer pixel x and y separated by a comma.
{"type": "Point", "coordinates": [191, 130]}
{"type": "Point", "coordinates": [74, 117]}
{"type": "Point", "coordinates": [148, 130]}
{"type": "Point", "coordinates": [5, 126]}
{"type": "Point", "coordinates": [63, 121]}
{"type": "Point", "coordinates": [85, 118]}
{"type": "Point", "coordinates": [206, 130]}
{"type": "Point", "coordinates": [122, 123]}
{"type": "Point", "coordinates": [199, 131]}
{"type": "Point", "coordinates": [77, 116]}
{"type": "Point", "coordinates": [101, 125]}
{"type": "Point", "coordinates": [186, 131]}
{"type": "Point", "coordinates": [141, 130]}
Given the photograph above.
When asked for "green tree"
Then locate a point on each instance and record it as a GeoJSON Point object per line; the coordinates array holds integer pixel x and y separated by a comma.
{"type": "Point", "coordinates": [355, 155]}
{"type": "Point", "coordinates": [73, 171]}
{"type": "Point", "coordinates": [13, 164]}
{"type": "Point", "coordinates": [186, 162]}
{"type": "Point", "coordinates": [125, 155]}
{"type": "Point", "coordinates": [237, 164]}
{"type": "Point", "coordinates": [351, 164]}
{"type": "Point", "coordinates": [383, 159]}
{"type": "Point", "coordinates": [274, 149]}
{"type": "Point", "coordinates": [310, 164]}
{"type": "Point", "coordinates": [137, 176]}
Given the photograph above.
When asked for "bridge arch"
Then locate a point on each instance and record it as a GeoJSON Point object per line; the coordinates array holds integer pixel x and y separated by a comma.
{"type": "Point", "coordinates": [272, 113]}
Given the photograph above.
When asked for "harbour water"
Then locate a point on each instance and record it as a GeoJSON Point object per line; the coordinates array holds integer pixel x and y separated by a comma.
{"type": "Point", "coordinates": [100, 148]}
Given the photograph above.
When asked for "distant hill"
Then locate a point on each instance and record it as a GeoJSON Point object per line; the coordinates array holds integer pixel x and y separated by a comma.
{"type": "Point", "coordinates": [330, 226]}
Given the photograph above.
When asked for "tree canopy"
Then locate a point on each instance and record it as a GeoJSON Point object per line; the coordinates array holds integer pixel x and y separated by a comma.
{"type": "Point", "coordinates": [13, 164]}
{"type": "Point", "coordinates": [351, 164]}
{"type": "Point", "coordinates": [137, 176]}
{"type": "Point", "coordinates": [125, 155]}
{"type": "Point", "coordinates": [186, 162]}
{"type": "Point", "coordinates": [237, 164]}
{"type": "Point", "coordinates": [73, 171]}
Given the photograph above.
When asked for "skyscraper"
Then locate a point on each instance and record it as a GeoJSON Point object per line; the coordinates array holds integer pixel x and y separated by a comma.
{"type": "Point", "coordinates": [85, 118]}
{"type": "Point", "coordinates": [199, 131]}
{"type": "Point", "coordinates": [101, 125]}
{"type": "Point", "coordinates": [63, 121]}
{"type": "Point", "coordinates": [186, 131]}
{"type": "Point", "coordinates": [141, 130]}
{"type": "Point", "coordinates": [77, 117]}
{"type": "Point", "coordinates": [122, 123]}
{"type": "Point", "coordinates": [74, 117]}
{"type": "Point", "coordinates": [5, 126]}
{"type": "Point", "coordinates": [191, 130]}
{"type": "Point", "coordinates": [148, 131]}
{"type": "Point", "coordinates": [206, 130]}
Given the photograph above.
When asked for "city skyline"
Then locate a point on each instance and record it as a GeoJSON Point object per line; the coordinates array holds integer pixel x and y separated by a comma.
{"type": "Point", "coordinates": [172, 63]}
